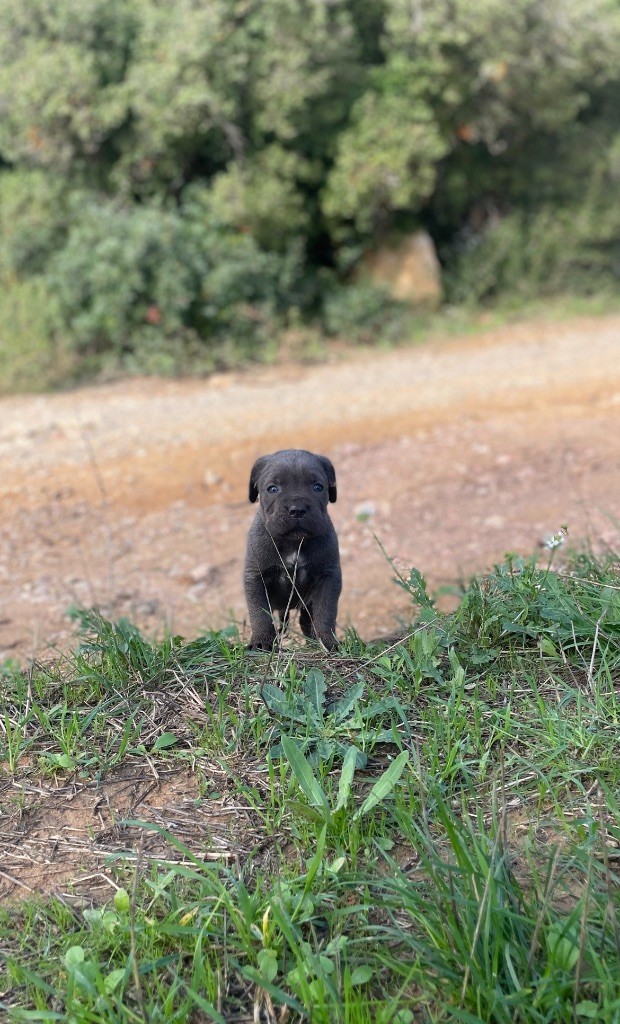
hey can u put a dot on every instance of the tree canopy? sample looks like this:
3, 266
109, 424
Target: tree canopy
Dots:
184, 174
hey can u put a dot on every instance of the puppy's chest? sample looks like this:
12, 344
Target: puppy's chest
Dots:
294, 569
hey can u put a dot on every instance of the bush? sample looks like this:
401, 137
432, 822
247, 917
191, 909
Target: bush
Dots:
545, 253
156, 290
361, 312
187, 176
30, 360
33, 216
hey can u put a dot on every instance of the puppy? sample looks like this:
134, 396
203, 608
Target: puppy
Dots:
292, 558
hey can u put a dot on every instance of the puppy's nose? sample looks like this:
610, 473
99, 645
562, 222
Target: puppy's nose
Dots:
297, 511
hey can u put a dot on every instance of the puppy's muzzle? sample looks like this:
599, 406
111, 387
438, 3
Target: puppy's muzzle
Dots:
298, 510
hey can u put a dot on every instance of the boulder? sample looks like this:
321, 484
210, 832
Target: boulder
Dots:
408, 269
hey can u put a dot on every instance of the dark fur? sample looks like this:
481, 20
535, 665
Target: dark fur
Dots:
292, 556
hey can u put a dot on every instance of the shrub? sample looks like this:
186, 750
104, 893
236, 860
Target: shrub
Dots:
361, 312
30, 359
549, 252
33, 217
150, 288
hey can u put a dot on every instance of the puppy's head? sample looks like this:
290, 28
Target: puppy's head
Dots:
294, 487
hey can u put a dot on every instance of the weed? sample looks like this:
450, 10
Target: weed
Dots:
326, 729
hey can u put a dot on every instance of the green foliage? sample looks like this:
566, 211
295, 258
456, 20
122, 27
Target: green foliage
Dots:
361, 311
191, 178
147, 287
117, 651
470, 877
523, 605
33, 218
500, 949
319, 807
387, 160
213, 85
262, 196
327, 729
61, 80
30, 358
573, 249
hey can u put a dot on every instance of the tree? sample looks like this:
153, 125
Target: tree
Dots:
228, 162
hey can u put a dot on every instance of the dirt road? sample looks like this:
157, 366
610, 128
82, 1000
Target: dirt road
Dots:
133, 496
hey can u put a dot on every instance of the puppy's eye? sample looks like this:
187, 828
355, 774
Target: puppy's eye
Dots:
317, 487
272, 489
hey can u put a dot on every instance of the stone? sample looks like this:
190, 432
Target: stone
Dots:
211, 478
200, 573
408, 269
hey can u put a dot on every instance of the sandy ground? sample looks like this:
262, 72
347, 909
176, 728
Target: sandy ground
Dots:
133, 496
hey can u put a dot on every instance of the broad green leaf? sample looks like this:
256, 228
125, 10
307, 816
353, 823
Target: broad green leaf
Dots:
347, 702
562, 947
306, 811
346, 777
113, 979
337, 865
121, 900
309, 785
74, 956
167, 739
548, 647
267, 964
324, 750
315, 689
64, 761
383, 785
280, 704
361, 759
588, 1009
361, 975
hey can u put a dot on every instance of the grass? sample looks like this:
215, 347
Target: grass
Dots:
428, 831
30, 359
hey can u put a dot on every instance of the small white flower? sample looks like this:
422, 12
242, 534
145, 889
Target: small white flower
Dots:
555, 540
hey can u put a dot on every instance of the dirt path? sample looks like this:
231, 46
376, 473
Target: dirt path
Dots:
133, 496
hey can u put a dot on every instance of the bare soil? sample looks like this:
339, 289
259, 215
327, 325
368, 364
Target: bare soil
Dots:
133, 496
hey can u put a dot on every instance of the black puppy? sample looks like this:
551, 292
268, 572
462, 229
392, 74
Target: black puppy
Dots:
292, 557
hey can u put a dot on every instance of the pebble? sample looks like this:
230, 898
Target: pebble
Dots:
211, 478
200, 573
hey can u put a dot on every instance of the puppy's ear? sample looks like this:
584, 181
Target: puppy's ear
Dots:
257, 469
331, 477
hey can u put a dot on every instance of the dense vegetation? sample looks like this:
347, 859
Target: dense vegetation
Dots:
422, 832
179, 182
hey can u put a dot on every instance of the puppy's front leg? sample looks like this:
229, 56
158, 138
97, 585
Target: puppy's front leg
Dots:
263, 630
324, 605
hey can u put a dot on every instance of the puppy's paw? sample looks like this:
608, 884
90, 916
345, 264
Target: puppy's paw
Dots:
261, 643
328, 640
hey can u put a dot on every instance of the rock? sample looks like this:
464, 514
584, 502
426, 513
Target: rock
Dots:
494, 522
211, 478
409, 270
201, 573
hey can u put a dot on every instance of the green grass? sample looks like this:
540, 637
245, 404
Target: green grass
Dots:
30, 360
422, 832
